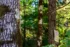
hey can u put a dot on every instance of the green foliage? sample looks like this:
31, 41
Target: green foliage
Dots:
29, 19
63, 26
68, 33
45, 3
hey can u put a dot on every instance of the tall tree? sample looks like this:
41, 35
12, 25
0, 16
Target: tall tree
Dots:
10, 24
51, 20
40, 31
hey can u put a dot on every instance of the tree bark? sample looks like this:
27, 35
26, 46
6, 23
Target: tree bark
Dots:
10, 36
51, 20
40, 29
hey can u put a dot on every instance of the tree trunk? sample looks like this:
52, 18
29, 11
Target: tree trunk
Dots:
40, 30
10, 23
51, 20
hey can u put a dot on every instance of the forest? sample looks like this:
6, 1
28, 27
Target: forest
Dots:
34, 23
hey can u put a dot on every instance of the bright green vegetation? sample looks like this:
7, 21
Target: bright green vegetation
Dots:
29, 20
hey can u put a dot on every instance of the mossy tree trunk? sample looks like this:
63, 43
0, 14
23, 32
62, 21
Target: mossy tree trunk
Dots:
40, 28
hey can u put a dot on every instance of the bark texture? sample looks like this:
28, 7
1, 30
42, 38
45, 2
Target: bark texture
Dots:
40, 29
51, 20
10, 35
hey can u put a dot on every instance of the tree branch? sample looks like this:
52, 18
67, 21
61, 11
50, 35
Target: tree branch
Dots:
62, 7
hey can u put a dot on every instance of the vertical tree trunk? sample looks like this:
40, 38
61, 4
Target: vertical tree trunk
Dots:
51, 20
10, 36
40, 31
